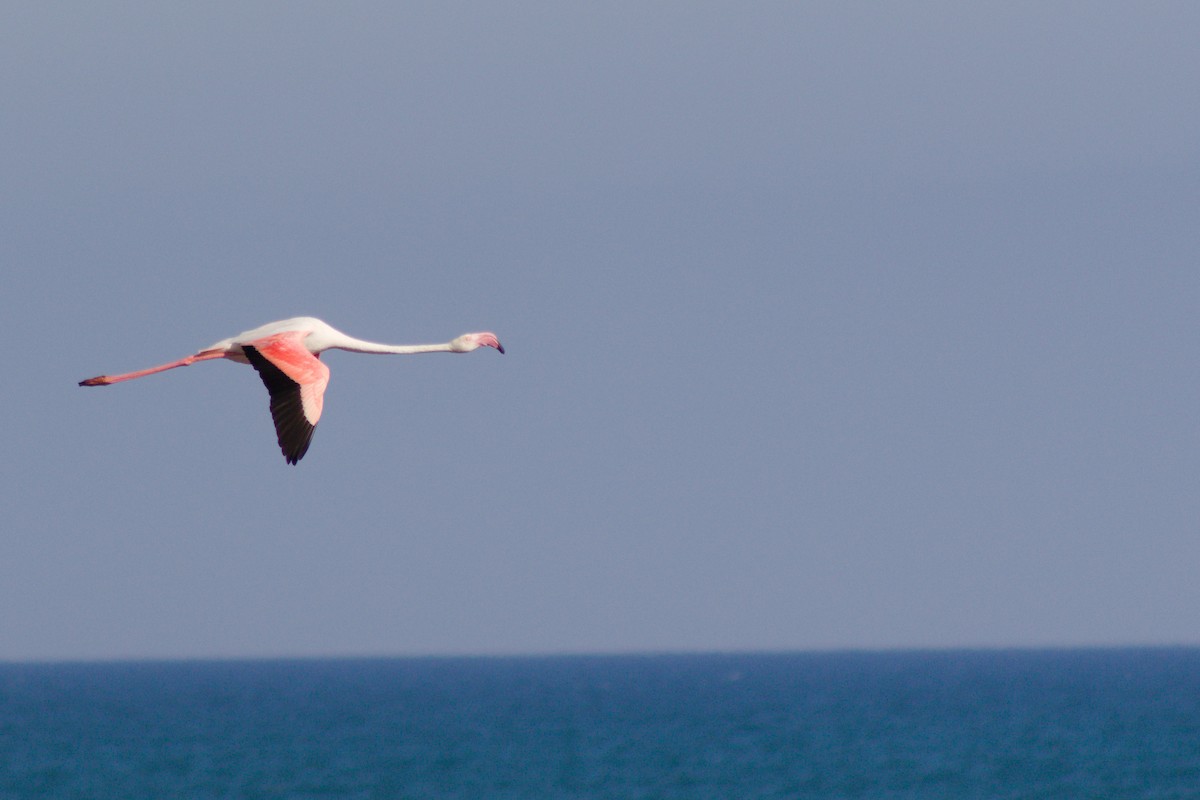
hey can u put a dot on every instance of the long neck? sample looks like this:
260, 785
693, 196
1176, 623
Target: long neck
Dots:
361, 346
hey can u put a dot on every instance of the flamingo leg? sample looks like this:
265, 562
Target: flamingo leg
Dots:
105, 380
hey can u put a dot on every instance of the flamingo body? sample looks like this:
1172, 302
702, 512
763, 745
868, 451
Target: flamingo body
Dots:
286, 355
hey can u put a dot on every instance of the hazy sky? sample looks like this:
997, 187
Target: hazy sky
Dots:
828, 325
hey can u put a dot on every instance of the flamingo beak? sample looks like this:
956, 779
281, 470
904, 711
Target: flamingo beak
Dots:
490, 340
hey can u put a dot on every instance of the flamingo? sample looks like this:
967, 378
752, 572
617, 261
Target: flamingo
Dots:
287, 355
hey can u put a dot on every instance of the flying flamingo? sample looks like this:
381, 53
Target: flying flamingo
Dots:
287, 356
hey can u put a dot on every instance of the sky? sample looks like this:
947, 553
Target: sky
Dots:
829, 325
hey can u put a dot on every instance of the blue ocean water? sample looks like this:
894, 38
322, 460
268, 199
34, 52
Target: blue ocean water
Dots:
971, 724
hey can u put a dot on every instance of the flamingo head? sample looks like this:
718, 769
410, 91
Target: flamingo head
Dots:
473, 341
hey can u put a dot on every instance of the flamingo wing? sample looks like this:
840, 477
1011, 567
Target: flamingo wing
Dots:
296, 380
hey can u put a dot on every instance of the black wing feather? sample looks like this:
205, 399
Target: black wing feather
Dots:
287, 409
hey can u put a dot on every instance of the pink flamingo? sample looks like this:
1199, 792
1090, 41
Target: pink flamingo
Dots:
287, 357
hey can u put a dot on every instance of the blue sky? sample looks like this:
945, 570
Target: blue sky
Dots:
828, 325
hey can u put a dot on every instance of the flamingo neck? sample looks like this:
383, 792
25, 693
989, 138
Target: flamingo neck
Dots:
360, 346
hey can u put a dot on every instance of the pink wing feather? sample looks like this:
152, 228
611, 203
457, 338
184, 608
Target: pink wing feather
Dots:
296, 380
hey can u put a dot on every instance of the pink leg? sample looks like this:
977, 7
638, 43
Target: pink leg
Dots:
105, 380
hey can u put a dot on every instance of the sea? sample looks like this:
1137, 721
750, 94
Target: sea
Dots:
1093, 723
